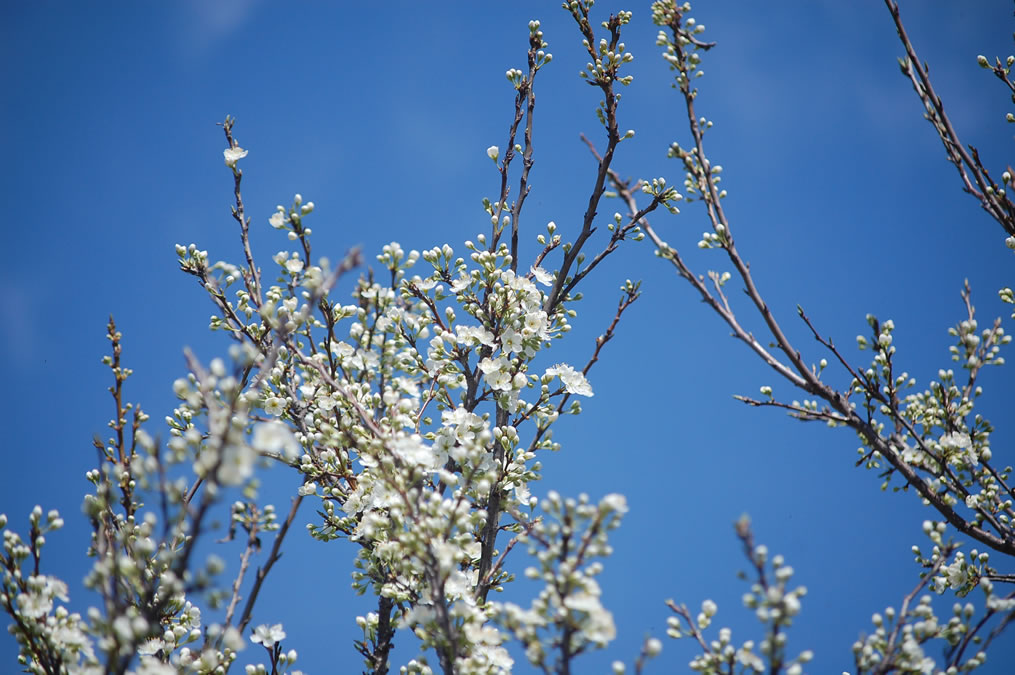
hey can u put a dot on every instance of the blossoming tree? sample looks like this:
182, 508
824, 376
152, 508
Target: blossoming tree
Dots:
415, 415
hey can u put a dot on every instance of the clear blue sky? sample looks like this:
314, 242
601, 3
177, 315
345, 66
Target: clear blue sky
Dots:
381, 114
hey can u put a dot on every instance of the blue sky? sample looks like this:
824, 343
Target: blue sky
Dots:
381, 114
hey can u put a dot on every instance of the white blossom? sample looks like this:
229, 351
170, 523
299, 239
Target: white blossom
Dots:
511, 341
268, 635
232, 155
535, 324
574, 381
962, 443
275, 437
274, 405
411, 449
616, 502
237, 464
542, 276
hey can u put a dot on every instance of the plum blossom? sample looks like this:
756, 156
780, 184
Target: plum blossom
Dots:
955, 575
535, 324
461, 283
598, 627
274, 405
962, 443
541, 275
616, 502
511, 341
475, 335
496, 373
35, 605
277, 220
237, 464
268, 635
412, 450
275, 437
232, 155
151, 647
574, 381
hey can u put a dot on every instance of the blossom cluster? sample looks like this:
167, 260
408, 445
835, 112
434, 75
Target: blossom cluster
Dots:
775, 605
414, 403
414, 414
934, 441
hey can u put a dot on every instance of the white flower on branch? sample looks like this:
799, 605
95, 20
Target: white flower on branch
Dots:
542, 276
233, 155
615, 502
598, 627
474, 336
275, 437
35, 605
268, 635
413, 451
496, 373
278, 219
294, 266
955, 441
274, 405
535, 324
573, 380
511, 341
237, 463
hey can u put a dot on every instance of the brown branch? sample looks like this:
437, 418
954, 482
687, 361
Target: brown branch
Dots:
985, 190
488, 579
253, 276
796, 411
631, 294
624, 191
262, 572
609, 108
253, 543
535, 44
799, 374
889, 665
